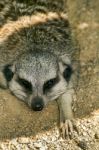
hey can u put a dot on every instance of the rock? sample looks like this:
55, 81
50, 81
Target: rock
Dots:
23, 140
97, 135
82, 145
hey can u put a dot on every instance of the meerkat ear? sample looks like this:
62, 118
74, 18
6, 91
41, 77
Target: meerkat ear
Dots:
66, 68
67, 72
6, 74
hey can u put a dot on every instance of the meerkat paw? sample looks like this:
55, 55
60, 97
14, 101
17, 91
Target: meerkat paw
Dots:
67, 129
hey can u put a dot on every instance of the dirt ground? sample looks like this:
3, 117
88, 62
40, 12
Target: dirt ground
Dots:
16, 119
84, 17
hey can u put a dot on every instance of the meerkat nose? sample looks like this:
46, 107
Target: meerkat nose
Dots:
37, 104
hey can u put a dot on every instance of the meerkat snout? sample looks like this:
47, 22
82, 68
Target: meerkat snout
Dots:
37, 104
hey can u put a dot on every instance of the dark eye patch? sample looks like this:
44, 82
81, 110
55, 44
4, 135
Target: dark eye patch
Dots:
26, 84
49, 84
67, 73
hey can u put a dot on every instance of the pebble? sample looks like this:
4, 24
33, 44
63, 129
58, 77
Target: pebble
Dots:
97, 135
38, 145
23, 140
88, 129
82, 145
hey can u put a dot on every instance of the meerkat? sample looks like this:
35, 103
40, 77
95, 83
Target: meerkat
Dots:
36, 55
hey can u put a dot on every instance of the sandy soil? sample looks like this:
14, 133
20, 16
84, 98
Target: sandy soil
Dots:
84, 18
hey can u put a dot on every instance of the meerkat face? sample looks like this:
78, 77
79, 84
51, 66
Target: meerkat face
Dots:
37, 78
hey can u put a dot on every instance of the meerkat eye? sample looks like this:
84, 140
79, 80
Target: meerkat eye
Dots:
67, 73
26, 84
50, 83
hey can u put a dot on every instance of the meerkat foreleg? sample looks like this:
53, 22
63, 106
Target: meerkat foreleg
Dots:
66, 114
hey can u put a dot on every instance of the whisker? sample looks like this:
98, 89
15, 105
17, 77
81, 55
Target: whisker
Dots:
20, 95
15, 91
29, 92
18, 90
56, 95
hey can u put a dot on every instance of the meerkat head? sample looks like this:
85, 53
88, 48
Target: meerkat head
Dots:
37, 77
